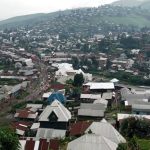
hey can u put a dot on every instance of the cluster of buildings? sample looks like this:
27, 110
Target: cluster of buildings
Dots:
52, 58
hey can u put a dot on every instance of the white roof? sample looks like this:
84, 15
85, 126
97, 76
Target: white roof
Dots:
35, 126
101, 101
90, 109
50, 133
114, 80
20, 132
46, 95
90, 96
142, 107
105, 129
92, 142
91, 113
124, 116
36, 145
22, 144
30, 116
61, 112
100, 85
37, 106
107, 95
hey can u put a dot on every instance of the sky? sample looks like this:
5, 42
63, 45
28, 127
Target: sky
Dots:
11, 8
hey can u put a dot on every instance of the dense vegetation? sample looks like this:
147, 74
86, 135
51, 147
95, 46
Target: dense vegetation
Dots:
8, 139
137, 133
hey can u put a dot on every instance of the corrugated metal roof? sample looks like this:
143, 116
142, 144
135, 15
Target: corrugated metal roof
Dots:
124, 116
90, 96
93, 110
50, 133
141, 107
42, 144
61, 112
107, 95
78, 128
92, 142
100, 85
105, 129
101, 101
90, 113
92, 106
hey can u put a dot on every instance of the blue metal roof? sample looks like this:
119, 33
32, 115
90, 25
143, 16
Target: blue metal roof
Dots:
57, 96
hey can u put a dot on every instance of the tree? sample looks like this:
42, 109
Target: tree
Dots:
132, 144
122, 146
132, 126
78, 80
8, 139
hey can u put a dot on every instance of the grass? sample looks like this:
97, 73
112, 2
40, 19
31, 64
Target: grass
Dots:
144, 144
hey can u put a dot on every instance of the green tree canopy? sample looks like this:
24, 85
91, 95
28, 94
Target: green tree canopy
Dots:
8, 139
78, 80
132, 126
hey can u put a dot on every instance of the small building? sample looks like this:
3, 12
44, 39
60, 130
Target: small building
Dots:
26, 115
55, 116
91, 110
21, 127
89, 97
143, 109
99, 87
78, 128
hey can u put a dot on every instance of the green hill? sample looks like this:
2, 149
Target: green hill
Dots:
85, 19
145, 4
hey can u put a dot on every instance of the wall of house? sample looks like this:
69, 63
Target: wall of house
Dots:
54, 125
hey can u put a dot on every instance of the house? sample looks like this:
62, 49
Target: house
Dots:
34, 107
54, 121
66, 72
103, 62
26, 115
92, 142
89, 97
57, 86
141, 109
99, 87
136, 100
91, 110
114, 80
46, 95
55, 116
78, 128
48, 133
21, 127
41, 144
105, 129
101, 101
107, 95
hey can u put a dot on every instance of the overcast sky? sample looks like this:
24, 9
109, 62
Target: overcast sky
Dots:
11, 8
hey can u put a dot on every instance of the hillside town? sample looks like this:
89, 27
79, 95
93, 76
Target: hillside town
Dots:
62, 90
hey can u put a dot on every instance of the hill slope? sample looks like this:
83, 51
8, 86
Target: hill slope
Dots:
133, 3
79, 20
